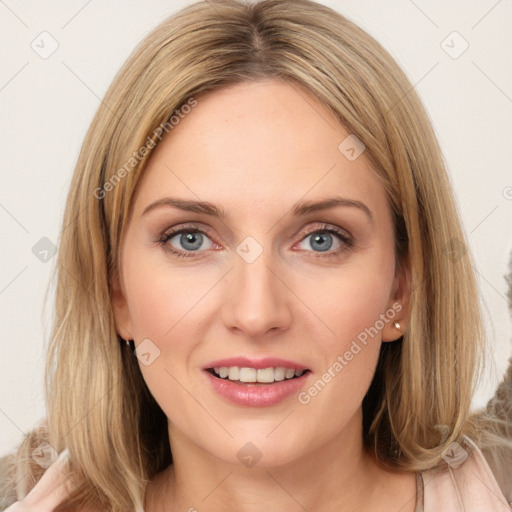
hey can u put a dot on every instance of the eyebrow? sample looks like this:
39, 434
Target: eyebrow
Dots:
301, 208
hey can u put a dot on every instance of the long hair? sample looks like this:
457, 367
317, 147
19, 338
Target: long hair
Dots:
98, 405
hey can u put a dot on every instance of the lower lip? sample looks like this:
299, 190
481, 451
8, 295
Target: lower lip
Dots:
257, 394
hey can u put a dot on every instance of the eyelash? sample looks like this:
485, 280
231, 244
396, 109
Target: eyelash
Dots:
325, 228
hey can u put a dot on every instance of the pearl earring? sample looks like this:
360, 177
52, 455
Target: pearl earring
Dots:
129, 343
397, 326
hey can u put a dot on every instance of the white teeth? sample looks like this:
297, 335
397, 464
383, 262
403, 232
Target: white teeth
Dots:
279, 373
263, 375
234, 373
247, 375
289, 373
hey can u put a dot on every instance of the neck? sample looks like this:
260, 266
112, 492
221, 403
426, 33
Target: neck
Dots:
337, 475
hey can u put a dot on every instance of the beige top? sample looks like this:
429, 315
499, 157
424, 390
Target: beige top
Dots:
464, 483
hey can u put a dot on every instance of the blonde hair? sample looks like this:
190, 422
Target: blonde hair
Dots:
97, 401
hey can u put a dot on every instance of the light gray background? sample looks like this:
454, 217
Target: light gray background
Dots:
47, 104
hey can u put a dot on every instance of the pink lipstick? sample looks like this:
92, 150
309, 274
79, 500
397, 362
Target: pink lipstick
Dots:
256, 382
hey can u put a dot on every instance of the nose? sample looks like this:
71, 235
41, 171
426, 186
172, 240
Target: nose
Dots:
257, 299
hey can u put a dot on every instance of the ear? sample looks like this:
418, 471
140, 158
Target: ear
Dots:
398, 306
121, 312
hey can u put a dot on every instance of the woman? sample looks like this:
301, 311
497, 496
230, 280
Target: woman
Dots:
260, 209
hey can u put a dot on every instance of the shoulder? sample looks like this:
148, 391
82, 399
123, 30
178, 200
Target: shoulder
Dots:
464, 482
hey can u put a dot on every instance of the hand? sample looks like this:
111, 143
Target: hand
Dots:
52, 488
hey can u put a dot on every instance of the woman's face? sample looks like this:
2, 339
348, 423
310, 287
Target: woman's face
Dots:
260, 284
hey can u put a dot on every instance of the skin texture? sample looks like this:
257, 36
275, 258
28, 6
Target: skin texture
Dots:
255, 149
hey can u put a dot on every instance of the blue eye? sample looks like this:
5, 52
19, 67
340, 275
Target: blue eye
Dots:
322, 239
192, 240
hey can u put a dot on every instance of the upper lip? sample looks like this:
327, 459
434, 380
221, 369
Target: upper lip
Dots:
246, 362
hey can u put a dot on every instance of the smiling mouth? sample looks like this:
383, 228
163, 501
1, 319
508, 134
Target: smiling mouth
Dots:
244, 375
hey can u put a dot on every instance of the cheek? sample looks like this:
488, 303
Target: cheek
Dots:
348, 302
164, 303
159, 296
166, 306
351, 307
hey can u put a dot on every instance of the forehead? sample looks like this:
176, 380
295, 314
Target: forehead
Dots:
259, 145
